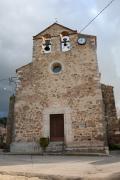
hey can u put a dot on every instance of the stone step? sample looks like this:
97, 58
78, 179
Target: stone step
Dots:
55, 147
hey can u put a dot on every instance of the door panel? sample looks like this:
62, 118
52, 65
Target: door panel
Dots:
56, 127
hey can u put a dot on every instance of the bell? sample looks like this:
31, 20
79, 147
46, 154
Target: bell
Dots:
65, 43
47, 48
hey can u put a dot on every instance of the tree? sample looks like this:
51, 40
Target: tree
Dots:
3, 121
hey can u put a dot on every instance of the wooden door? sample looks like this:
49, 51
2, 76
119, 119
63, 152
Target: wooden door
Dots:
56, 127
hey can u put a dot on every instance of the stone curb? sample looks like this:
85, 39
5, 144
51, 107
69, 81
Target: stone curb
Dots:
57, 154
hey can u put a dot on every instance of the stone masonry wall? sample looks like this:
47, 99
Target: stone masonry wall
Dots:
76, 92
112, 123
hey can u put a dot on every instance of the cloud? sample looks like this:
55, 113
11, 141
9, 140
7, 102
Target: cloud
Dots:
20, 20
109, 45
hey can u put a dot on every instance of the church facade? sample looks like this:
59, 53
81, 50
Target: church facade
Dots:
59, 95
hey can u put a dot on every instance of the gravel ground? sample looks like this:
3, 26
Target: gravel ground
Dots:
8, 177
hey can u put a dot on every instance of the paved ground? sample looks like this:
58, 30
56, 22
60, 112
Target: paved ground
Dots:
57, 167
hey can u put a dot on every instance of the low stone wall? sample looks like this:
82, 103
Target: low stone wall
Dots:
56, 147
25, 147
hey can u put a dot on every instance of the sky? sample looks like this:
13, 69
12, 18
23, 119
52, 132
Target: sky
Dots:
22, 19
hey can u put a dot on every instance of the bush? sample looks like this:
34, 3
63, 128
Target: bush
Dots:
44, 141
3, 121
3, 145
114, 146
6, 148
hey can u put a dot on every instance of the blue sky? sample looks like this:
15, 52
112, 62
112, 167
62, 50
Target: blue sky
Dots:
20, 20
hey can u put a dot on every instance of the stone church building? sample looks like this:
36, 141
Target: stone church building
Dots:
60, 96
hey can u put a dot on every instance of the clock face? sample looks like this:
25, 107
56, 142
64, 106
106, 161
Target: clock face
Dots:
82, 40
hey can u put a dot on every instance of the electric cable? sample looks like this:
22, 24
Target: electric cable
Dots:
96, 16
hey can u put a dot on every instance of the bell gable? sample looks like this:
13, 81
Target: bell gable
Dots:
54, 30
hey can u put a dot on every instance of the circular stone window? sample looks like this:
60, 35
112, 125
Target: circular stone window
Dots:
56, 67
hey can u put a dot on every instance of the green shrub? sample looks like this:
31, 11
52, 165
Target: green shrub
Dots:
114, 146
44, 141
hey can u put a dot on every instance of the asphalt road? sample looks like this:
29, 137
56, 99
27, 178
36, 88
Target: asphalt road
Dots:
27, 167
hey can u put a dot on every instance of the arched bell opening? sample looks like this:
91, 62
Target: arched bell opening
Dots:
65, 41
46, 43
